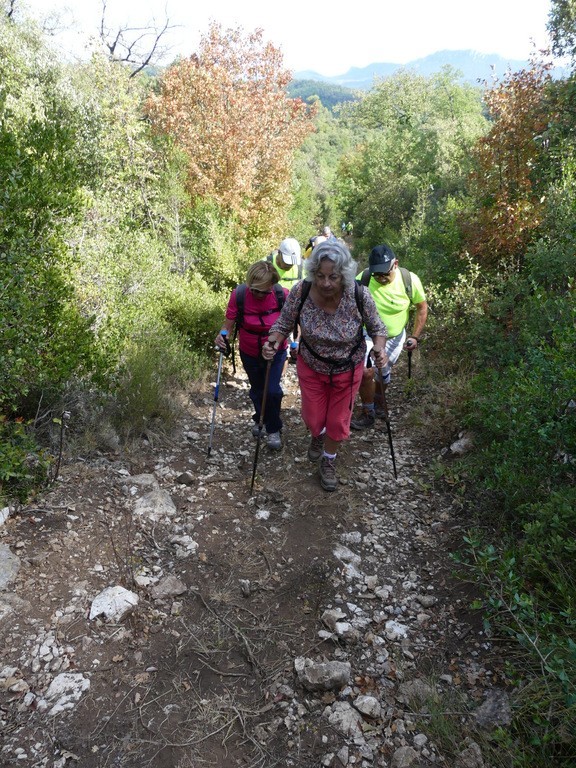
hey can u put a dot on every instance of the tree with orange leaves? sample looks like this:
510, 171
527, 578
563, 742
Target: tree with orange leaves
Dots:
506, 184
228, 109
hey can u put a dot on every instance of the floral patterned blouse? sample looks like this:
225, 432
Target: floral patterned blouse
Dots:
335, 337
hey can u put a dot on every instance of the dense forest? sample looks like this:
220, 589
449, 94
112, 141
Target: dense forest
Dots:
131, 204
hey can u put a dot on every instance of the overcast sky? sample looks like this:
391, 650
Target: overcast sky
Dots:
315, 35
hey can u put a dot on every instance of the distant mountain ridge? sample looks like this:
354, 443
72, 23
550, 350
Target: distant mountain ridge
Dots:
474, 67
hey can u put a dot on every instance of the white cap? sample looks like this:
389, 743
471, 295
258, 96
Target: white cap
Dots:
290, 250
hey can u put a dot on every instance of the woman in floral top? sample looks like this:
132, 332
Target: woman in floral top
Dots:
330, 309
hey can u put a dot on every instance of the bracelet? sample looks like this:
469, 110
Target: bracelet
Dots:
417, 338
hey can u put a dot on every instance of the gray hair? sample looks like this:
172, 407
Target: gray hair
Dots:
341, 257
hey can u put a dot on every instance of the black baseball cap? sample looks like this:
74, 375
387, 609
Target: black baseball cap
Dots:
381, 259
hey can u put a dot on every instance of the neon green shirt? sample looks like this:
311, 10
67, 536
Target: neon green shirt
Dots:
392, 302
288, 276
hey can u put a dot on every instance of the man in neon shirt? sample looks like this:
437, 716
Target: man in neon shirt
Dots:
288, 262
391, 296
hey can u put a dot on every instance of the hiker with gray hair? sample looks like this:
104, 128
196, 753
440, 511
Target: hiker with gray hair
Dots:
330, 310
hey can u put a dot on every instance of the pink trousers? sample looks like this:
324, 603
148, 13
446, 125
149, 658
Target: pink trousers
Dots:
328, 401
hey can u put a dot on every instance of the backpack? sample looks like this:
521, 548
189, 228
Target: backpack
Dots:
240, 299
270, 258
406, 279
306, 285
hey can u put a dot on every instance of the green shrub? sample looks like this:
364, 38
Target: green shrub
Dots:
155, 366
526, 429
23, 465
215, 253
530, 597
194, 312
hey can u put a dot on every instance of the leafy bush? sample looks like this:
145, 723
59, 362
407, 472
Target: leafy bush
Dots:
43, 338
531, 597
155, 366
526, 429
194, 312
23, 466
215, 253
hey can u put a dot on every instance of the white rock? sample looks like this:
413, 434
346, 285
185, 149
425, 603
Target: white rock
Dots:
169, 586
155, 505
346, 555
344, 718
9, 566
65, 690
368, 705
114, 603
395, 630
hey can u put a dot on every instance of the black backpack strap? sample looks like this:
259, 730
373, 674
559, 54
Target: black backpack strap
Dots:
407, 280
280, 297
365, 277
306, 285
359, 296
240, 297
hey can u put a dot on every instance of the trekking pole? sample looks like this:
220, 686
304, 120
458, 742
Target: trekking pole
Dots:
387, 420
409, 363
217, 387
260, 423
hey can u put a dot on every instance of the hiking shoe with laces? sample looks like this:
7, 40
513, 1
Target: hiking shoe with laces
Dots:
255, 430
274, 440
316, 448
328, 479
364, 421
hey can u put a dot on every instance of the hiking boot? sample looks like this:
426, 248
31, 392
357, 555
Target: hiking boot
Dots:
274, 440
255, 430
316, 448
364, 421
380, 412
328, 479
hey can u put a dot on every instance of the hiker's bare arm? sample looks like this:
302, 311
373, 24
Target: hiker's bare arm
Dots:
418, 327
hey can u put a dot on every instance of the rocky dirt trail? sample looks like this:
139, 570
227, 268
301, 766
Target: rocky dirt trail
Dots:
153, 613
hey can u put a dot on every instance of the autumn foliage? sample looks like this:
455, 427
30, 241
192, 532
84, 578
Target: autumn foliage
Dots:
228, 109
506, 182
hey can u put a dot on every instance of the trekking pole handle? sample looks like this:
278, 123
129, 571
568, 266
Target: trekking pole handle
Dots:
411, 342
224, 334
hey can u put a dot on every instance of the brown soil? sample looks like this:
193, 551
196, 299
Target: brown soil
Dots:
207, 678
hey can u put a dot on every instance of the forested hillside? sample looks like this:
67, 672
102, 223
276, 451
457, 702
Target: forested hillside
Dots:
130, 205
329, 95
